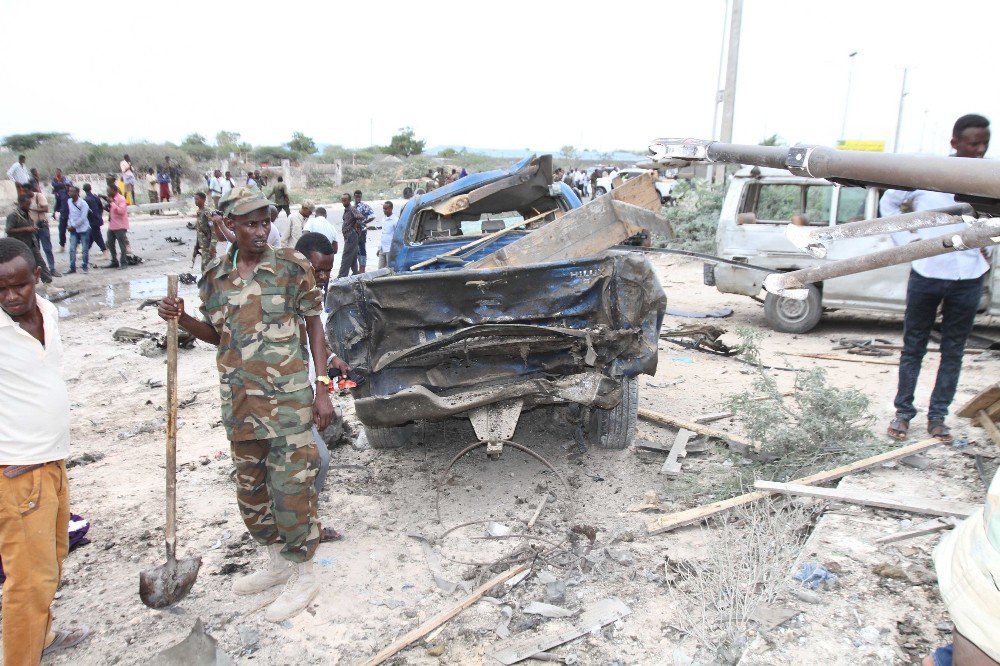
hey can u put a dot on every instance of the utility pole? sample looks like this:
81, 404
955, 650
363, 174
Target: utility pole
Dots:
718, 84
899, 116
729, 94
847, 97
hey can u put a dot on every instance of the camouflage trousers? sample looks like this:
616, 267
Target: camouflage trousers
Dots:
276, 493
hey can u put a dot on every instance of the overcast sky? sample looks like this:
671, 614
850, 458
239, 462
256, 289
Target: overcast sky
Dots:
514, 74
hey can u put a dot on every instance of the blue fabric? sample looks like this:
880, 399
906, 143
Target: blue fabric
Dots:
958, 300
813, 575
81, 238
942, 656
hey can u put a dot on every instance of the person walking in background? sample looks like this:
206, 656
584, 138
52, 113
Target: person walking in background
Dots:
296, 224
260, 178
353, 224
279, 195
60, 184
39, 214
20, 175
388, 228
227, 184
117, 227
152, 189
174, 171
79, 229
20, 226
163, 179
369, 215
952, 281
215, 187
128, 177
96, 219
34, 445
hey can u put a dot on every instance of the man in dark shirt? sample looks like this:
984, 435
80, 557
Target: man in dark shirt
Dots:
96, 218
22, 227
354, 223
60, 187
369, 216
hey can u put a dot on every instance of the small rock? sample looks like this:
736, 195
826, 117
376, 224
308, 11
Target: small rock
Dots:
805, 595
555, 592
436, 651
870, 635
889, 571
249, 637
621, 557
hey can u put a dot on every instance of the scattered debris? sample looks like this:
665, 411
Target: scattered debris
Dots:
721, 313
538, 511
187, 278
650, 502
771, 617
546, 610
740, 444
701, 337
927, 527
175, 240
835, 357
870, 347
813, 575
128, 334
496, 530
697, 514
445, 615
600, 614
984, 410
83, 459
671, 467
717, 416
868, 498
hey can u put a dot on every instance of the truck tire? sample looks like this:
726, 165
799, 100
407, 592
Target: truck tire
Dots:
615, 428
600, 192
790, 316
389, 438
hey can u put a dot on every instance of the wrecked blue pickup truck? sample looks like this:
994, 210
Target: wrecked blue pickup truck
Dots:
434, 340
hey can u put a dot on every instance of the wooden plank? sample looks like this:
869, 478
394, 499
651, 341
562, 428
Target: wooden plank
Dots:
641, 194
837, 357
709, 418
673, 422
927, 527
930, 507
584, 231
445, 615
983, 400
699, 513
671, 466
986, 423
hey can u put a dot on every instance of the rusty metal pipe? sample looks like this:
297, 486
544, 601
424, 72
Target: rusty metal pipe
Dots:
791, 285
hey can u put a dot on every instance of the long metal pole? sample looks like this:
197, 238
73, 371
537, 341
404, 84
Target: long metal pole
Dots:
899, 116
732, 65
847, 97
718, 82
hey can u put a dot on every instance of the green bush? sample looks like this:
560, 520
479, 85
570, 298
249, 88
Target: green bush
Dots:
695, 218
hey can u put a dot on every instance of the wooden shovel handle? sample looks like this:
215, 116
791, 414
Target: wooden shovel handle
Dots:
171, 528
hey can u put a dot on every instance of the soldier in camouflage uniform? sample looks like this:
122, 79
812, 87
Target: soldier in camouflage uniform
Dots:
253, 300
205, 245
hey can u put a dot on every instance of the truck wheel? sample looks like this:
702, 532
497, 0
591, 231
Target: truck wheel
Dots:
389, 438
790, 316
615, 428
600, 192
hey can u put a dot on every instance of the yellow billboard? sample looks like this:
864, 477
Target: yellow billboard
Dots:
857, 144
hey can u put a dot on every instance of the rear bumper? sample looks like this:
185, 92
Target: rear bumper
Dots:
418, 403
733, 279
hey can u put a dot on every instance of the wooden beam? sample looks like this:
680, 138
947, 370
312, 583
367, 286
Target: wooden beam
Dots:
445, 615
699, 513
709, 418
584, 231
983, 400
986, 423
673, 422
927, 527
837, 357
671, 466
930, 507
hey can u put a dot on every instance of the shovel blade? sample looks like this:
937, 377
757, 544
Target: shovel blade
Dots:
167, 584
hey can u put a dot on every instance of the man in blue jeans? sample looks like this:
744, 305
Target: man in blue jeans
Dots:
78, 223
952, 281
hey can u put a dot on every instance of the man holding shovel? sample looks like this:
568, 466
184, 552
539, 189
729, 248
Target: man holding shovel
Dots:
34, 444
252, 300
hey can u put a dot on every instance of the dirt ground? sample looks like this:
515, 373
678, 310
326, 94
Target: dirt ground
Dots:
377, 583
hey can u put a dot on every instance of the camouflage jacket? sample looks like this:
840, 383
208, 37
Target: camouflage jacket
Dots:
263, 369
206, 237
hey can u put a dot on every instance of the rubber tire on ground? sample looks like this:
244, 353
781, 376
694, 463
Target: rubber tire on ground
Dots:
600, 191
615, 428
791, 316
394, 437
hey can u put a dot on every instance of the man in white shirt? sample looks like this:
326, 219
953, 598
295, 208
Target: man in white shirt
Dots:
953, 281
34, 444
215, 187
19, 174
385, 240
319, 224
296, 224
227, 184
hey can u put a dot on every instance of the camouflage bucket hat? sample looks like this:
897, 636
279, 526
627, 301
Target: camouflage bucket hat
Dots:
243, 200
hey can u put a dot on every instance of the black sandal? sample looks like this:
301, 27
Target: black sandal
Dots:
939, 431
898, 428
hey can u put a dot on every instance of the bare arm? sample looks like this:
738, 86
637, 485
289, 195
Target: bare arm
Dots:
322, 407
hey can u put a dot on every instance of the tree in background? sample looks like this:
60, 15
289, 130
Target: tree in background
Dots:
404, 144
197, 147
228, 142
302, 144
773, 140
568, 152
273, 154
19, 143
